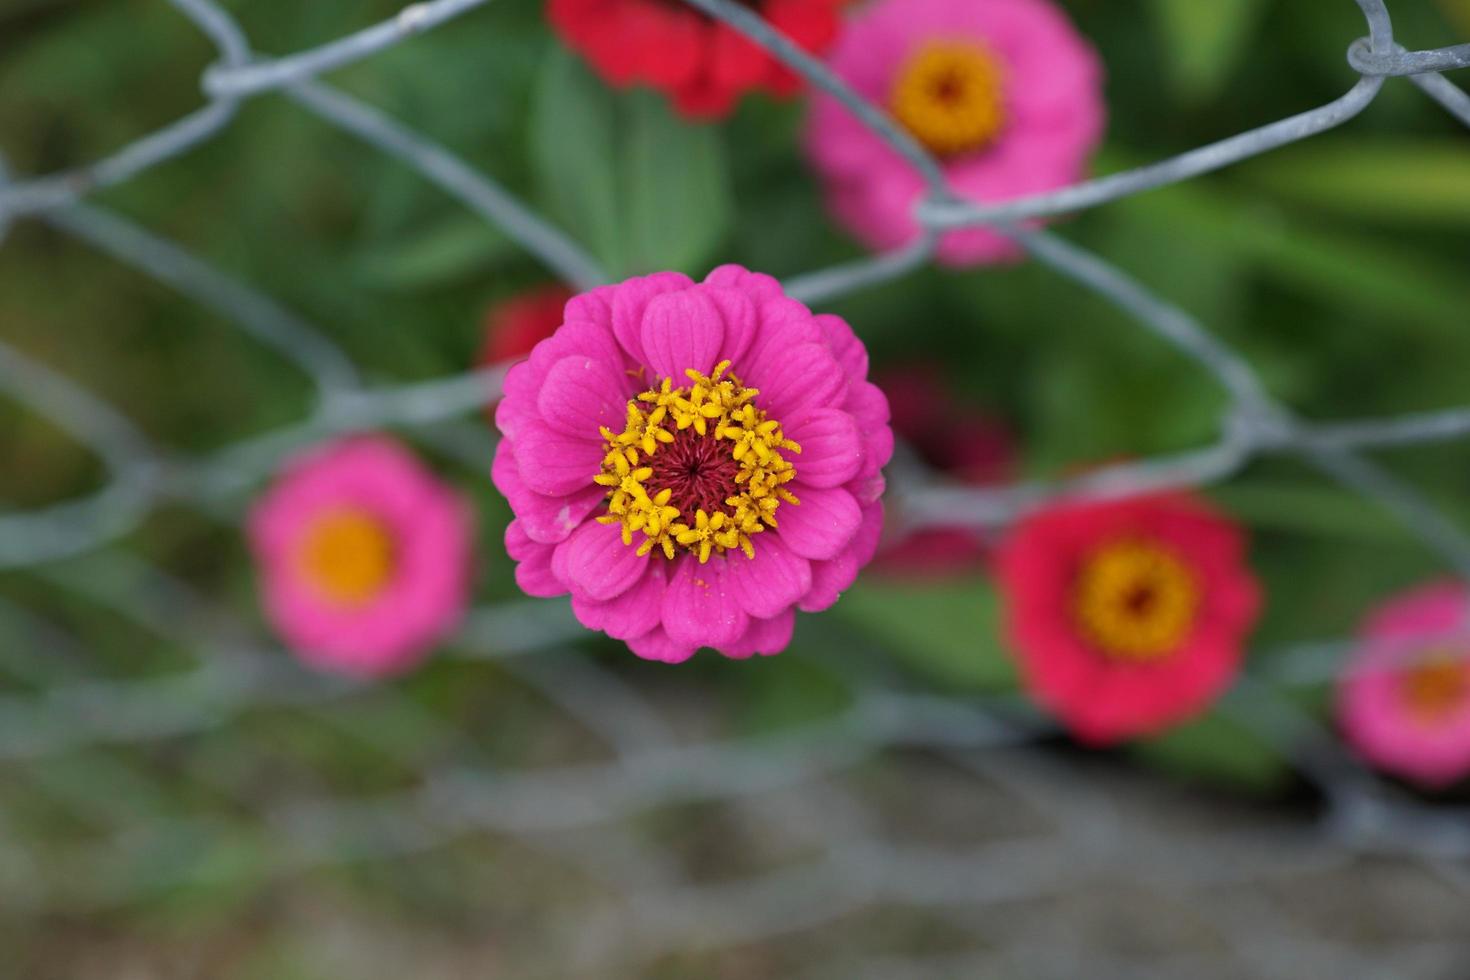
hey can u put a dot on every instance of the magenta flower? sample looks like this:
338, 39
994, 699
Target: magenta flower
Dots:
693, 463
1128, 617
363, 556
1004, 92
1404, 699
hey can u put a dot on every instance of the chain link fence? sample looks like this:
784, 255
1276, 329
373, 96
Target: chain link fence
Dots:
132, 773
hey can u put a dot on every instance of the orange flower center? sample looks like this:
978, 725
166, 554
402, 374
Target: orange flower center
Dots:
1436, 687
346, 556
1135, 601
949, 95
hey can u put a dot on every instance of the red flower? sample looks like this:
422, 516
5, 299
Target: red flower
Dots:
701, 64
957, 442
516, 325
1127, 617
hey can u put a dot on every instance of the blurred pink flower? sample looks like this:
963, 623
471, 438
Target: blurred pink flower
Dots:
668, 497
959, 443
1404, 699
1129, 616
363, 556
1005, 92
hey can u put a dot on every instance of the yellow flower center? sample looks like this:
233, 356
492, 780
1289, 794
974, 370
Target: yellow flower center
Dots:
346, 556
1135, 600
1436, 687
949, 95
698, 468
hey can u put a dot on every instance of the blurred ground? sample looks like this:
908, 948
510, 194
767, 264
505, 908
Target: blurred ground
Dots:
954, 862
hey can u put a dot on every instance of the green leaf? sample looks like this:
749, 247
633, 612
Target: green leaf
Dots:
643, 190
1313, 508
678, 201
1339, 268
948, 630
793, 692
1203, 41
1457, 11
1216, 749
1424, 181
453, 249
573, 146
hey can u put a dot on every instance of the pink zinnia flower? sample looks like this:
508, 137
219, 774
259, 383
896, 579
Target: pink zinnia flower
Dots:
1404, 700
1130, 616
1004, 92
693, 462
363, 556
957, 442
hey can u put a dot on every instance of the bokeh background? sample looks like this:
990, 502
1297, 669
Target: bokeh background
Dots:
880, 801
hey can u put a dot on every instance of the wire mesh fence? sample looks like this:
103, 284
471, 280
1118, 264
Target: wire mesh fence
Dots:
101, 752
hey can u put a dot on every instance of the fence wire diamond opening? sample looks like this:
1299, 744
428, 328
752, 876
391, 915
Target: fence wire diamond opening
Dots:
84, 741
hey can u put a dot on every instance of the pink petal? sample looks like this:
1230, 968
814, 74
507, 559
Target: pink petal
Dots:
869, 407
831, 578
796, 379
754, 284
518, 402
548, 519
580, 395
740, 318
578, 338
832, 448
631, 614
822, 524
656, 645
868, 489
867, 403
771, 581
552, 462
879, 208
880, 451
845, 346
784, 324
700, 607
595, 563
681, 331
533, 568
631, 298
594, 306
764, 636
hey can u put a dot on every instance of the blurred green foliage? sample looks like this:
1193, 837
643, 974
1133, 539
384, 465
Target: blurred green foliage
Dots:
1337, 266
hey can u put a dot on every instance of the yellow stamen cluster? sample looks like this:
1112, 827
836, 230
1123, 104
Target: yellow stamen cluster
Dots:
1135, 600
347, 556
949, 96
1436, 687
714, 406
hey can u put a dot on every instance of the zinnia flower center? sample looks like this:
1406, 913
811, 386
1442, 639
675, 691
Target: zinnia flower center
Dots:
1435, 688
949, 96
698, 467
1136, 601
347, 556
